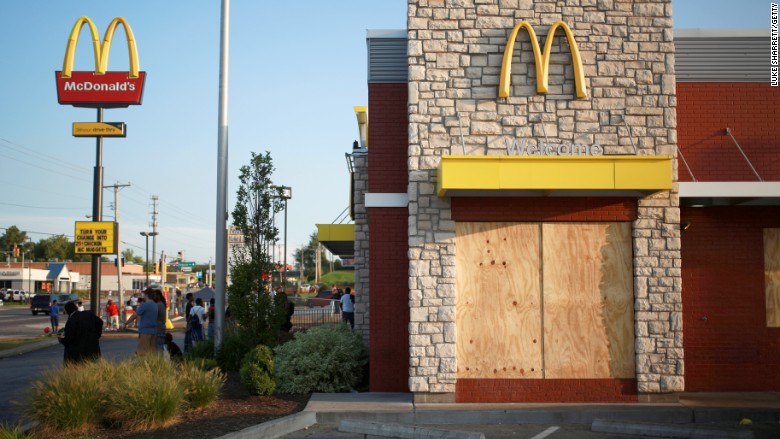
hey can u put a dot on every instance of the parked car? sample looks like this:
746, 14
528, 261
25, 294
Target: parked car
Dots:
15, 295
42, 302
323, 298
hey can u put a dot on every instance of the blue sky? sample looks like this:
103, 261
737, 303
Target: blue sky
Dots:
296, 71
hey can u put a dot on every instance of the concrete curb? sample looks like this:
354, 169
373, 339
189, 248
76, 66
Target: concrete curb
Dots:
404, 431
31, 347
583, 415
668, 430
276, 428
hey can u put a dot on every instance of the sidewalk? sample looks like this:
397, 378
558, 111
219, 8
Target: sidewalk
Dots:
695, 415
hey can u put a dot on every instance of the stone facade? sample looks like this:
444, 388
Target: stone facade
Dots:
455, 51
362, 303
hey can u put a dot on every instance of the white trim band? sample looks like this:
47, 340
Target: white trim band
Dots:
387, 200
733, 189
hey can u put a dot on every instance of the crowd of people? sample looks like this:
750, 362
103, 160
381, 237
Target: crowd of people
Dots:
149, 314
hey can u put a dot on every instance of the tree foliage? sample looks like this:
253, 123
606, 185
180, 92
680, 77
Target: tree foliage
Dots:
54, 247
131, 257
257, 201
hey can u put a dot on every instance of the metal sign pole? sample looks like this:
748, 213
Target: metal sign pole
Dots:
97, 215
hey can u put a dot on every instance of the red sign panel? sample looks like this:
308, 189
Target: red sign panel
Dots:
111, 89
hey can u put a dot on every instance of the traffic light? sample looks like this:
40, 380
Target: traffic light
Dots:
16, 251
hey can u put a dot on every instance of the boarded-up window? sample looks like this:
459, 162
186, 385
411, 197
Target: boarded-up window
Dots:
772, 276
550, 300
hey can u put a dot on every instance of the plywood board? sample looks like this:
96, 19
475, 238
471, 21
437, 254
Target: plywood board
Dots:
772, 276
498, 300
588, 300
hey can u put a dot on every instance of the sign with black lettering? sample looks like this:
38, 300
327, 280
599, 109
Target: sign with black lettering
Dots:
95, 237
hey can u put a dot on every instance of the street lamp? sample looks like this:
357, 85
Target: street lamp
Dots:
147, 235
286, 195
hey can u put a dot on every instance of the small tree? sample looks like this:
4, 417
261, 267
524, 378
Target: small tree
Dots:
257, 200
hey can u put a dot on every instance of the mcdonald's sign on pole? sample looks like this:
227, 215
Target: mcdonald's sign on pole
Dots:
542, 59
101, 88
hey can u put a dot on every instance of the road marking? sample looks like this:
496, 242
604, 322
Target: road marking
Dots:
546, 433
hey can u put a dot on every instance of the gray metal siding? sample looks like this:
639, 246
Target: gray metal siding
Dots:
711, 55
387, 61
722, 59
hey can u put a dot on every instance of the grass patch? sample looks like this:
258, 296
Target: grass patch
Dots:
340, 278
138, 394
8, 431
10, 343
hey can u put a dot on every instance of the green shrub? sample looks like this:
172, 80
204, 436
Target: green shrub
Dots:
201, 349
257, 371
328, 358
200, 387
234, 347
144, 395
13, 432
70, 399
204, 363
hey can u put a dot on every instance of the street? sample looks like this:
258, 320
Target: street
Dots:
17, 321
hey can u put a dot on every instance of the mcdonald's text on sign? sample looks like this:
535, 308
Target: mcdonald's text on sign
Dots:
101, 88
95, 237
99, 129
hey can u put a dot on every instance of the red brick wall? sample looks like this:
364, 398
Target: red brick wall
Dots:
751, 110
728, 346
389, 314
543, 209
388, 142
539, 390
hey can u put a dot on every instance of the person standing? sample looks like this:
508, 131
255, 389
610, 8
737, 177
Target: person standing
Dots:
348, 308
54, 316
196, 320
112, 312
188, 328
212, 319
162, 317
335, 305
146, 315
82, 334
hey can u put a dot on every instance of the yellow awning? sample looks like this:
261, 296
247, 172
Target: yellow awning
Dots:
339, 239
605, 176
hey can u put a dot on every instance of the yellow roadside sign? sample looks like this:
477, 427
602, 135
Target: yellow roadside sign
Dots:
95, 237
99, 129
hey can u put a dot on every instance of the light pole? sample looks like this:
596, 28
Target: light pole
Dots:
147, 235
286, 195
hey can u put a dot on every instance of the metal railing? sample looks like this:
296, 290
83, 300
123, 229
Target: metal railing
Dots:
308, 317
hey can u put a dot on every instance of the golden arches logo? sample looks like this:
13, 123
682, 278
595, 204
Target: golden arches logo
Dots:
542, 60
101, 51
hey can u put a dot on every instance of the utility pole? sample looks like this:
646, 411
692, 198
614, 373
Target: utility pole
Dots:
155, 204
119, 264
318, 262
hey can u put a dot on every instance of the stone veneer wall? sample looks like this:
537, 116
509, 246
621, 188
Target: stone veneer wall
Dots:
360, 178
455, 49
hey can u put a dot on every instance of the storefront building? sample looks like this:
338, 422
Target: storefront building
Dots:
33, 277
526, 228
65, 277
